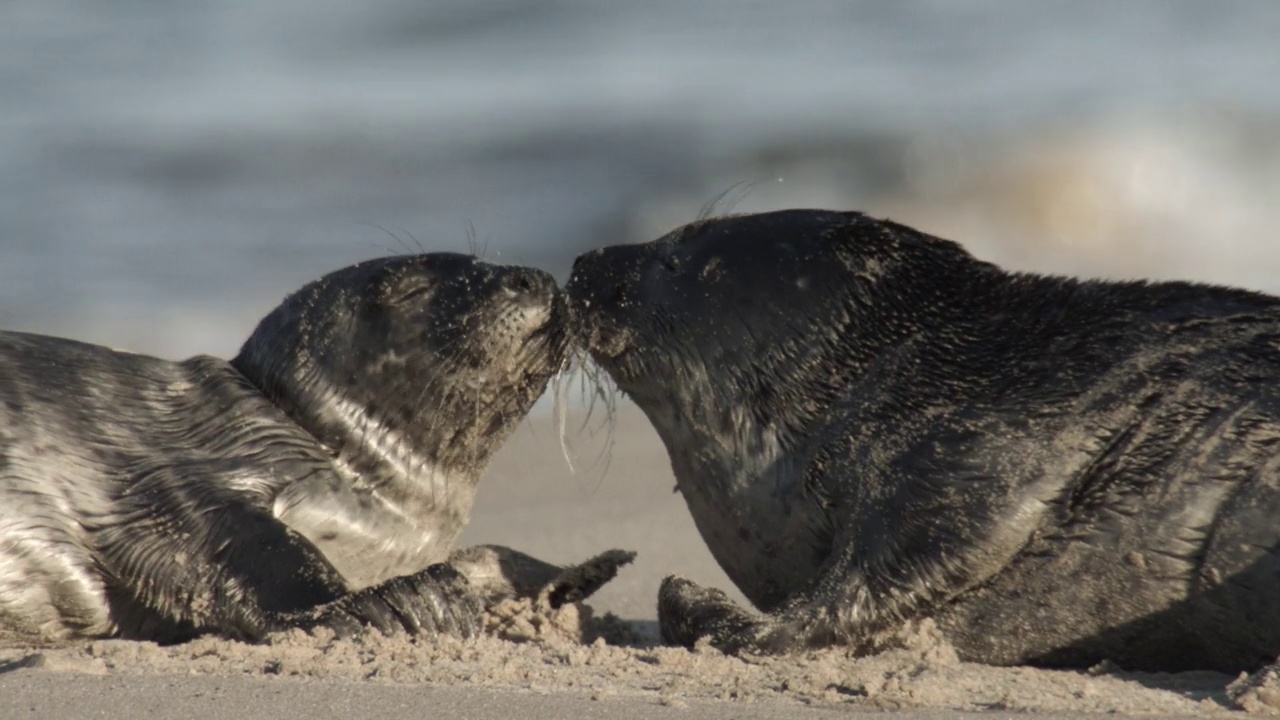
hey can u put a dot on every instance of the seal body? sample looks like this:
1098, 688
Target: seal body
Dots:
872, 427
319, 478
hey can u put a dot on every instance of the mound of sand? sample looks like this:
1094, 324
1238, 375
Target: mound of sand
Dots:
547, 656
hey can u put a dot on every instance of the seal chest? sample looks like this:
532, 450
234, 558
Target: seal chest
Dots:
1058, 471
746, 499
321, 477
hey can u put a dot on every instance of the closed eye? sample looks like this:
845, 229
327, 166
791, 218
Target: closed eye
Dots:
411, 294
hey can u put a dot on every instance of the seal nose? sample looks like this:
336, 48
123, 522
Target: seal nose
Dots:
528, 282
580, 278
582, 263
596, 277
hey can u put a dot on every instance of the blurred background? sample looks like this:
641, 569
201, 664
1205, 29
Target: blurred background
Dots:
169, 171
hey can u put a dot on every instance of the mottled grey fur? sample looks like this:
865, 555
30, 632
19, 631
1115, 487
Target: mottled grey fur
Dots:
319, 478
871, 426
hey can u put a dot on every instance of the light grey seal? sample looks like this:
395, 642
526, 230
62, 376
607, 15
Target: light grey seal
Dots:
871, 427
319, 478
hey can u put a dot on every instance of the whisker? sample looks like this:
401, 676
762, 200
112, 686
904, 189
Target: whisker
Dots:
727, 199
403, 245
596, 385
478, 250
416, 241
472, 243
560, 412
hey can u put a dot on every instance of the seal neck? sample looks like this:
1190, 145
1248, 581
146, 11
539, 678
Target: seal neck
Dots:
401, 461
880, 326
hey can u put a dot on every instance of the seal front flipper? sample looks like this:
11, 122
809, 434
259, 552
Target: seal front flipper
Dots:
578, 582
498, 572
688, 612
436, 600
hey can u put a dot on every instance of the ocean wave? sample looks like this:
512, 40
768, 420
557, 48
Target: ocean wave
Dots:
1124, 196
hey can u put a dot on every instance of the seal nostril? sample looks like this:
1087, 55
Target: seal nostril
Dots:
519, 282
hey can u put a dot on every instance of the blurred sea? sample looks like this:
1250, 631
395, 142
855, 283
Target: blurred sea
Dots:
169, 171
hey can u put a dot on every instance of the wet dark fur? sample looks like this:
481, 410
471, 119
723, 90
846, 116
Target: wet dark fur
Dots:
319, 478
871, 426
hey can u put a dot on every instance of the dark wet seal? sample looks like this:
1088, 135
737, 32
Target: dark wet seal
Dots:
870, 426
320, 478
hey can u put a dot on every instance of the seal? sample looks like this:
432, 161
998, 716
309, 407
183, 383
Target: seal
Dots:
320, 478
871, 427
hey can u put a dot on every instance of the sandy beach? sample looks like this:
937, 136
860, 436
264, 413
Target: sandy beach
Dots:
619, 495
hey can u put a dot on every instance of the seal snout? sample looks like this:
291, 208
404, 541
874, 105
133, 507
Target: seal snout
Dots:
529, 284
535, 295
535, 314
601, 288
584, 277
604, 277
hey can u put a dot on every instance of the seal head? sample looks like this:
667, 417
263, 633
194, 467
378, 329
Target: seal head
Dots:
736, 336
411, 371
449, 348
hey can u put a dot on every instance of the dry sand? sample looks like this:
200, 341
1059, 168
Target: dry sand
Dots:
533, 502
